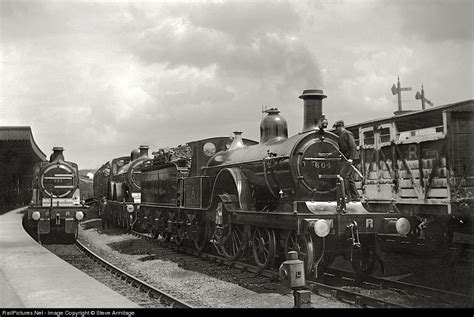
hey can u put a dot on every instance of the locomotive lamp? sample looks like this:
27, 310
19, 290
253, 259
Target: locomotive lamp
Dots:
35, 215
323, 122
130, 208
403, 226
291, 271
321, 228
79, 215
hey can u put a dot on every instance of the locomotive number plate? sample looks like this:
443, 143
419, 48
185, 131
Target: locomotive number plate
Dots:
325, 165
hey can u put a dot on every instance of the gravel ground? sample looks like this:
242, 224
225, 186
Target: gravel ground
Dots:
189, 278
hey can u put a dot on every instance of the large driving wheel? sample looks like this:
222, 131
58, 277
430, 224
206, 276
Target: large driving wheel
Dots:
230, 238
235, 242
303, 244
263, 247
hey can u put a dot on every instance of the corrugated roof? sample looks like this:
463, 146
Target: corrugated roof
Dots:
21, 133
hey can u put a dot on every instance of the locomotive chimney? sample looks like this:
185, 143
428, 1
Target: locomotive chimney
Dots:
57, 154
313, 108
144, 150
237, 143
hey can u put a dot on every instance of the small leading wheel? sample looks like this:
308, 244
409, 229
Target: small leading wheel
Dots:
264, 247
303, 244
364, 260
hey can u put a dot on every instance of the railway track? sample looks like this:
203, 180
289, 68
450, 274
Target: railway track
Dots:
345, 286
124, 283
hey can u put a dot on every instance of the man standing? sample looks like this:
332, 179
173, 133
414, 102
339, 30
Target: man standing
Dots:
348, 148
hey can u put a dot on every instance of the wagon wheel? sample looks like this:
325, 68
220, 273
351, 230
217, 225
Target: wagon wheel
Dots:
264, 247
363, 260
303, 244
235, 242
203, 236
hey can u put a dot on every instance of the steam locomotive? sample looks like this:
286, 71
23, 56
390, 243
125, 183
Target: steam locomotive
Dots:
260, 200
55, 208
117, 189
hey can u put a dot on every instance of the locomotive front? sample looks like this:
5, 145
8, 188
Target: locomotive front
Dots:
56, 202
123, 204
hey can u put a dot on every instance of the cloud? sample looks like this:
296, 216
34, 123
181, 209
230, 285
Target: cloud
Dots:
256, 40
105, 77
437, 20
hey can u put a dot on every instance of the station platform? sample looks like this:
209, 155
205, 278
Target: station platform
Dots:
32, 277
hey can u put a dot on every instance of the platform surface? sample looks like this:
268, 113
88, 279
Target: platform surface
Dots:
32, 277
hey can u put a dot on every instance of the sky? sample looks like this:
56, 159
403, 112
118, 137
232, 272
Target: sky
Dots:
101, 78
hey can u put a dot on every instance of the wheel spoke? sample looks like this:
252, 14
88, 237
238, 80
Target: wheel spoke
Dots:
264, 247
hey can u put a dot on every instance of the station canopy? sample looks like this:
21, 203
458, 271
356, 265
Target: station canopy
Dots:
18, 154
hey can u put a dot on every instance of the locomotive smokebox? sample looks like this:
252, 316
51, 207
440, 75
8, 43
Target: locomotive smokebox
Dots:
313, 108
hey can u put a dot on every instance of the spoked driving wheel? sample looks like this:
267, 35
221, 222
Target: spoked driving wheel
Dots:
235, 242
303, 244
230, 238
263, 247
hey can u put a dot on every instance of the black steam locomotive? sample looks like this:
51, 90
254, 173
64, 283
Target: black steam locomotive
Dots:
117, 189
262, 200
55, 209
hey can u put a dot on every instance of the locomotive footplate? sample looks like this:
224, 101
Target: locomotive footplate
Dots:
306, 214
